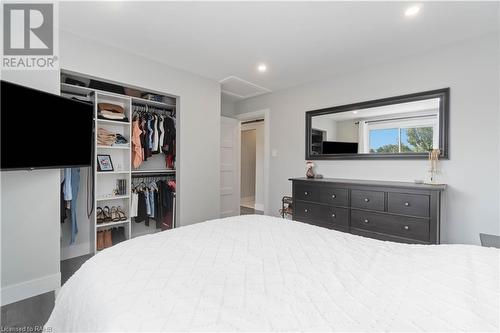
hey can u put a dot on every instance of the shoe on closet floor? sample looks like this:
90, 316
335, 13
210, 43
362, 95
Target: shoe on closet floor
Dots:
118, 235
121, 214
100, 215
100, 240
107, 214
108, 241
115, 216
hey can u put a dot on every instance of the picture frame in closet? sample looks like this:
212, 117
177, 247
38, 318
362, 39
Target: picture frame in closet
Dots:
104, 163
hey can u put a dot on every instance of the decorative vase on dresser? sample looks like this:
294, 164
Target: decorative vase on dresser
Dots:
386, 210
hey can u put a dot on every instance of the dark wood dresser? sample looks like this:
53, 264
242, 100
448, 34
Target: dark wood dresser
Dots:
395, 211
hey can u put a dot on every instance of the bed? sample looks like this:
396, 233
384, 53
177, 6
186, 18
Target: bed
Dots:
260, 273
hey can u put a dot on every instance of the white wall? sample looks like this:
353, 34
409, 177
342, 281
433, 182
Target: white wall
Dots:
470, 69
30, 225
228, 106
198, 118
325, 124
347, 131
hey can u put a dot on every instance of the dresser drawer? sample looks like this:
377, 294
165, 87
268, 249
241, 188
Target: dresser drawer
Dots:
373, 200
408, 204
402, 226
334, 196
306, 192
325, 215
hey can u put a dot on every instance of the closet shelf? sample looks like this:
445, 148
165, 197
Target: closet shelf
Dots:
152, 171
113, 147
115, 197
112, 172
138, 100
110, 224
113, 122
70, 88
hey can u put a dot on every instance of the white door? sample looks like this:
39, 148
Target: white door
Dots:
229, 167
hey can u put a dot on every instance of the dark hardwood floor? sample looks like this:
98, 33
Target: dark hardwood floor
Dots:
249, 211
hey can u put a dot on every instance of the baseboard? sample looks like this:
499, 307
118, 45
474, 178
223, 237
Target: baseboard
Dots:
73, 251
27, 289
259, 206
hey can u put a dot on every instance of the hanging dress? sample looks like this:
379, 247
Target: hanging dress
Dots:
137, 151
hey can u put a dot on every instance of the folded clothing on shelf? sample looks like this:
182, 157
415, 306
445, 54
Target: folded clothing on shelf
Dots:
107, 138
120, 139
111, 111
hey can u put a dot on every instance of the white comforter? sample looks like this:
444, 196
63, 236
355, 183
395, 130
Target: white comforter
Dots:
258, 273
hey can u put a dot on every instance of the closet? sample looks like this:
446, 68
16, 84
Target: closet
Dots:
131, 189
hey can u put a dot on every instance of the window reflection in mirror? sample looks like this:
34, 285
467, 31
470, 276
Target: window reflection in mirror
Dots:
411, 127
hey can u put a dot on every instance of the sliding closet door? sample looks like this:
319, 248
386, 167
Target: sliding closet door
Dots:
229, 167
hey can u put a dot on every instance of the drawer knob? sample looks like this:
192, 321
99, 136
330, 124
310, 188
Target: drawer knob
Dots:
407, 204
367, 200
407, 227
333, 196
366, 221
306, 193
306, 210
333, 215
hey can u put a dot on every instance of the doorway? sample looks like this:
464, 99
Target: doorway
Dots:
230, 169
252, 167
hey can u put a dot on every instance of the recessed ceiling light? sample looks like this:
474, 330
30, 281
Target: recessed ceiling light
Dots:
262, 68
412, 11
355, 112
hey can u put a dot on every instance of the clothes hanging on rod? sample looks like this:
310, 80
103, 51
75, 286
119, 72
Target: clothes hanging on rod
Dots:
71, 186
153, 132
155, 200
137, 151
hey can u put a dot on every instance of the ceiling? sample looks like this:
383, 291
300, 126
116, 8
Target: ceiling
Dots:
299, 41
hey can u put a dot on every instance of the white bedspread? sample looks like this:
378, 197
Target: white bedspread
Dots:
258, 273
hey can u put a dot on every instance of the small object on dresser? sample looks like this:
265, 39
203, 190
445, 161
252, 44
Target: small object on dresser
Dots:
310, 169
418, 181
434, 167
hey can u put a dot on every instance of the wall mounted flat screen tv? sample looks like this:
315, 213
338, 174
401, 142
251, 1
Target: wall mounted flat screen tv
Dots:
41, 130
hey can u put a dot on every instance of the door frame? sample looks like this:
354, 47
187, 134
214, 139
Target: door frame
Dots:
255, 115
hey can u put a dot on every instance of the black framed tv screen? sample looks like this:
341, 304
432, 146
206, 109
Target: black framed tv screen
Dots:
42, 130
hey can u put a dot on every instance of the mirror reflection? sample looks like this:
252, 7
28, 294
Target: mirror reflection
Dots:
403, 128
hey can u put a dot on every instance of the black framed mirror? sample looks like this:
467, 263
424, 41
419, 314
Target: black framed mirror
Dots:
400, 127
